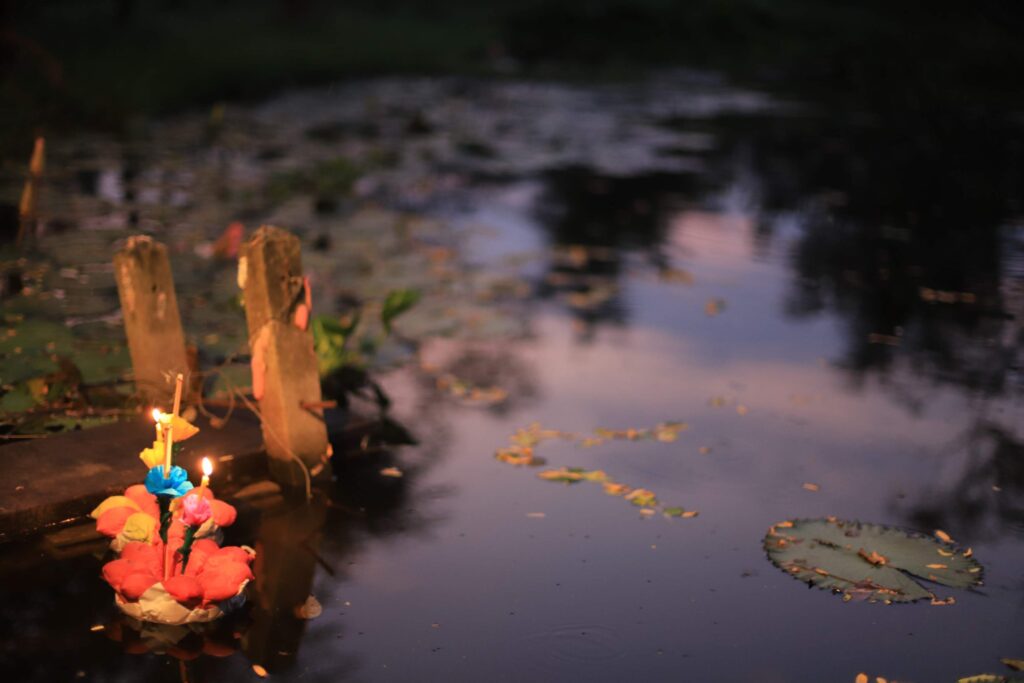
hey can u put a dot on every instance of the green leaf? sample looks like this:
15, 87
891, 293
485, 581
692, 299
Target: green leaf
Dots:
398, 301
329, 337
17, 400
868, 561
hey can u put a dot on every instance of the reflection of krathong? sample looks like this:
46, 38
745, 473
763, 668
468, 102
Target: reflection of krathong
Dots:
171, 568
181, 641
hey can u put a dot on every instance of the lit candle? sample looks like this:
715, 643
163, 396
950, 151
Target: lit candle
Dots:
207, 471
158, 418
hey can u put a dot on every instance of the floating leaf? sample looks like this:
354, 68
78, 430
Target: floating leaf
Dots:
310, 609
678, 512
642, 498
573, 475
1015, 664
991, 678
846, 557
714, 306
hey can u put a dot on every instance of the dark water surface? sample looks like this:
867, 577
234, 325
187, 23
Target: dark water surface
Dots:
824, 298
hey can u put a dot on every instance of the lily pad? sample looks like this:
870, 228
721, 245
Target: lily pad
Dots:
868, 561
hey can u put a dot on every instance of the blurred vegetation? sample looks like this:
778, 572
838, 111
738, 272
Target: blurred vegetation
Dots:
99, 62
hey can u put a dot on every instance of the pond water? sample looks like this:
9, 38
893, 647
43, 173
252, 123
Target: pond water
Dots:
828, 300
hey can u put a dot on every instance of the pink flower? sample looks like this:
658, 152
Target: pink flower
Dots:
195, 510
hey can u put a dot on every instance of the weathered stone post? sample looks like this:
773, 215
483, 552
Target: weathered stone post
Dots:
27, 207
286, 380
151, 322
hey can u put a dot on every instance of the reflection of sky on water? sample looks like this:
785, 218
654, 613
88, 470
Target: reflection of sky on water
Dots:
591, 590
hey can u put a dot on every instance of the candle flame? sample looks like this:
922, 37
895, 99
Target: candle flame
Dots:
207, 467
156, 414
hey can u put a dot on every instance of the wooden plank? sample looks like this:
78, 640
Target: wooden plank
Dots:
54, 480
285, 376
151, 321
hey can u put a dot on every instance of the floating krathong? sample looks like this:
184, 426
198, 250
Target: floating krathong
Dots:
171, 568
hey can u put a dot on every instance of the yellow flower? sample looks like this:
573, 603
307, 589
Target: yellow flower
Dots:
153, 456
111, 503
139, 527
183, 429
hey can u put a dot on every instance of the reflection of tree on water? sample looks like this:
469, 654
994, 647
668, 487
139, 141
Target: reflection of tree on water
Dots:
904, 222
592, 220
988, 495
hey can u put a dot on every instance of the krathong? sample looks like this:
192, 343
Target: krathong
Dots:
171, 568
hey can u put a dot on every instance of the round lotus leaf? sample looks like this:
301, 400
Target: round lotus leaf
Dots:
868, 561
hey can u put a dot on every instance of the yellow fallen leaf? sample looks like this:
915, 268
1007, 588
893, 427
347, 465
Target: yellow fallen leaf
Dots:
742, 409
689, 513
391, 472
811, 487
704, 450
944, 553
861, 678
536, 515
943, 536
259, 670
1015, 664
97, 627
310, 609
936, 566
873, 557
968, 552
613, 489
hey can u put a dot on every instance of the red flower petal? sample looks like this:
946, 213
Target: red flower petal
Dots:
235, 553
223, 514
112, 521
137, 583
222, 582
144, 499
144, 554
184, 589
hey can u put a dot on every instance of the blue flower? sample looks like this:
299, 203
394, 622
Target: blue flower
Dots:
173, 486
